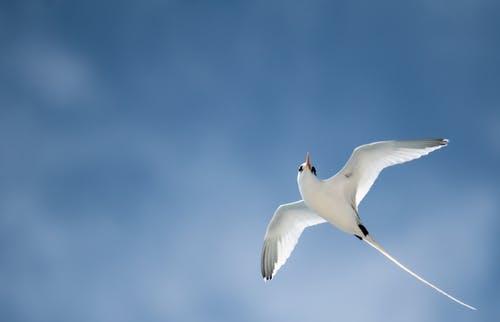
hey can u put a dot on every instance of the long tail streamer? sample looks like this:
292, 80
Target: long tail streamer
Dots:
379, 248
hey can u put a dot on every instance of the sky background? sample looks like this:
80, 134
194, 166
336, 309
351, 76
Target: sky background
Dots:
145, 146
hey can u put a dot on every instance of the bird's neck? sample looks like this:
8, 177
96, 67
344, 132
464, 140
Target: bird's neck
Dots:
308, 184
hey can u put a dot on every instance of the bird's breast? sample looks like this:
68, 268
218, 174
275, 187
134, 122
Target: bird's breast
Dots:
329, 204
318, 199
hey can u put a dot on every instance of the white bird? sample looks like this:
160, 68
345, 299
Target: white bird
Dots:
336, 200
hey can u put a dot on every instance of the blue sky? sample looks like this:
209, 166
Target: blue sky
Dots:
146, 145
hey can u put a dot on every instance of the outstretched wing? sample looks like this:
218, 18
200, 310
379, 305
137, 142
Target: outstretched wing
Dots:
368, 160
283, 233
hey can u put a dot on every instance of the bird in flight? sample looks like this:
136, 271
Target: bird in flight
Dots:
336, 200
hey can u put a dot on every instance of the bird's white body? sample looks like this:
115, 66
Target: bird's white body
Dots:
336, 200
328, 200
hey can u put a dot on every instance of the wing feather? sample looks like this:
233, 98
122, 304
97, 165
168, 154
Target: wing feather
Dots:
283, 233
367, 161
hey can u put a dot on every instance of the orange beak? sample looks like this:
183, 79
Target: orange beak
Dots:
308, 164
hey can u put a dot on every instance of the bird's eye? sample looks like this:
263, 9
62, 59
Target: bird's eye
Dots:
301, 168
313, 170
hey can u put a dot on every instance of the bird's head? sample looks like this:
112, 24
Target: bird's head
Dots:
306, 167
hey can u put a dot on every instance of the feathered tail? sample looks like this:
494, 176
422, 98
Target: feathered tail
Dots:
375, 245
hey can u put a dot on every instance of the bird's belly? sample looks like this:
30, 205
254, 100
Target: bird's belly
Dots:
335, 210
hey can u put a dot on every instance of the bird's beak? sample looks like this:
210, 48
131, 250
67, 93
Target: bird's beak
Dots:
308, 164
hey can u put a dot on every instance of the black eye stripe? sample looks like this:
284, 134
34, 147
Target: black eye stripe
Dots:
313, 169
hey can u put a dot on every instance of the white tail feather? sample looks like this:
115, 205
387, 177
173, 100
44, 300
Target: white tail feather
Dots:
375, 245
